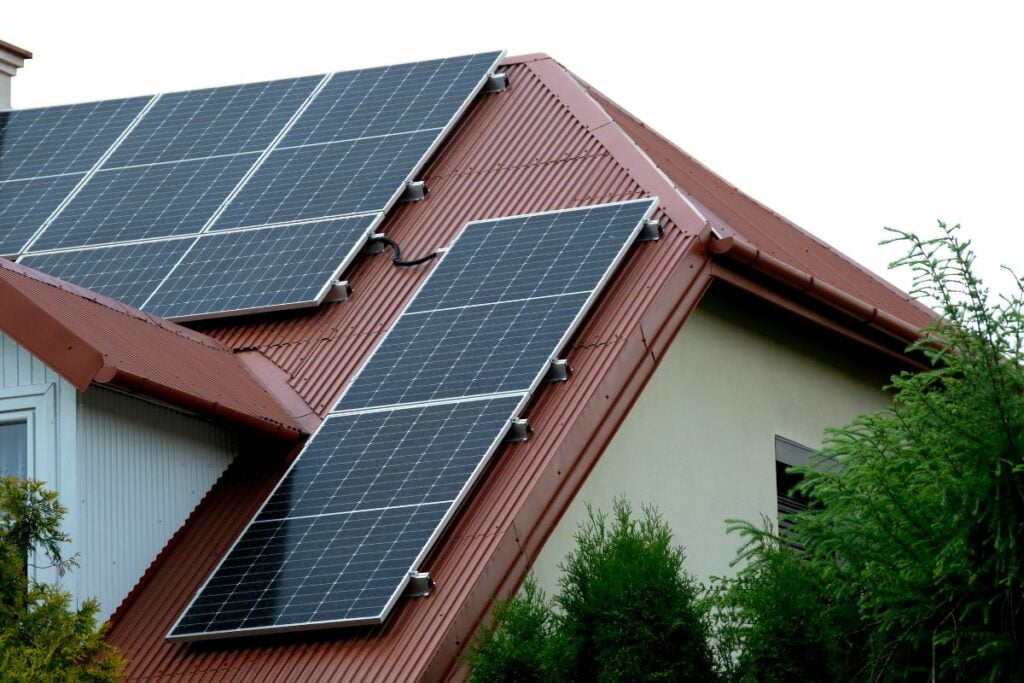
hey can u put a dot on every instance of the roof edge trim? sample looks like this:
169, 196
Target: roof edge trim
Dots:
747, 255
47, 338
134, 384
623, 149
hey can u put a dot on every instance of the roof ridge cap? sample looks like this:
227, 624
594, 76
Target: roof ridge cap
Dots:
113, 305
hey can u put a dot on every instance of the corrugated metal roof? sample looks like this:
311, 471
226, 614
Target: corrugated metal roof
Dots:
543, 144
89, 338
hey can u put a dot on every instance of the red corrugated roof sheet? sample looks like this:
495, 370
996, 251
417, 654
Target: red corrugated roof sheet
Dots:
86, 337
543, 144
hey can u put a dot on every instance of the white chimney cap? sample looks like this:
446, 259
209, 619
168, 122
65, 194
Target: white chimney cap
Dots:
12, 58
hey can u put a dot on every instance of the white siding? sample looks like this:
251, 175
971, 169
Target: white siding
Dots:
52, 458
699, 442
142, 469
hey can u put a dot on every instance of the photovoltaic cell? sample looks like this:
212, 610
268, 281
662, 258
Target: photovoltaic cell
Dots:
127, 272
409, 456
140, 202
326, 180
264, 268
65, 139
215, 121
457, 352
542, 254
26, 204
390, 99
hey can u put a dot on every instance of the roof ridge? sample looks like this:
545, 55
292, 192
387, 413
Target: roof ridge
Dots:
114, 305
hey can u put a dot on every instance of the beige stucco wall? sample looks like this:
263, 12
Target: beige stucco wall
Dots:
699, 442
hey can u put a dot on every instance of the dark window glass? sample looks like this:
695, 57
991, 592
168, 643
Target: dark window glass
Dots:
14, 449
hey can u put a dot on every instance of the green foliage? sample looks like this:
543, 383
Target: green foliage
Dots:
626, 611
42, 637
775, 620
914, 536
520, 644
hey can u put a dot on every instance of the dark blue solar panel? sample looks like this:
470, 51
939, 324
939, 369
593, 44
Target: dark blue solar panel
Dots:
464, 352
391, 99
65, 139
26, 204
141, 202
128, 272
337, 540
402, 457
202, 123
302, 571
303, 183
538, 255
265, 268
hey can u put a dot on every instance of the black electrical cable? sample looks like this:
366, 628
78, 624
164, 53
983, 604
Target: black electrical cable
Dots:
397, 253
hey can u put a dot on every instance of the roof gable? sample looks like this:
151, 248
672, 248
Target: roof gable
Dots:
86, 338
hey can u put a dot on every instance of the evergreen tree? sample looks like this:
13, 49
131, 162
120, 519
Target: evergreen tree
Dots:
913, 548
625, 611
42, 637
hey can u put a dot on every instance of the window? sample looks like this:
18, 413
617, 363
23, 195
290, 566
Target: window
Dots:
788, 454
14, 449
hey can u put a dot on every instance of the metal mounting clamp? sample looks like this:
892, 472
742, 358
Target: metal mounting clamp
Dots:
339, 291
496, 82
415, 191
650, 232
558, 371
374, 245
419, 586
519, 431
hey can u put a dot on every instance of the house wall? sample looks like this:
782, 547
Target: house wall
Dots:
141, 470
129, 471
699, 442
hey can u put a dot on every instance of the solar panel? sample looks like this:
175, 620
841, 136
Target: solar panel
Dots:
65, 139
25, 204
337, 539
126, 272
263, 268
415, 428
391, 99
198, 162
140, 202
215, 121
333, 179
465, 351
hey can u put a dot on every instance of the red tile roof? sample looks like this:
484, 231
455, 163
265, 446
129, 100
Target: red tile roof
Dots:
543, 144
86, 338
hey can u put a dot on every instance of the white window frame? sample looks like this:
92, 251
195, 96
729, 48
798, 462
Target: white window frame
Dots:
36, 406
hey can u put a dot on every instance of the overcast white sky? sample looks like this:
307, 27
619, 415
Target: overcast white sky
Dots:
843, 120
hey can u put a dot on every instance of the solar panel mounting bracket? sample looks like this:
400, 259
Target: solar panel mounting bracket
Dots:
519, 431
650, 232
558, 371
496, 82
415, 191
375, 245
419, 586
339, 291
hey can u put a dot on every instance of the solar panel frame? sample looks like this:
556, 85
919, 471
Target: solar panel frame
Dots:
523, 398
518, 400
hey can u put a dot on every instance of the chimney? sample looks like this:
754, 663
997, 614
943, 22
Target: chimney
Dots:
12, 58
